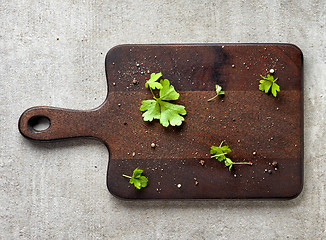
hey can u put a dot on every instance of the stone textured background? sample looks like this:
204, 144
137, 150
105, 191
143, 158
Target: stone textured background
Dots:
58, 191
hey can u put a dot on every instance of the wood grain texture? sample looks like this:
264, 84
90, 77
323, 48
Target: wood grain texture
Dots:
246, 118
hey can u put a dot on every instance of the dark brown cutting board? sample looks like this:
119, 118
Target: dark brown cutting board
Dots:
257, 127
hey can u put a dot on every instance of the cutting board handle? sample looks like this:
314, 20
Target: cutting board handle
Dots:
63, 123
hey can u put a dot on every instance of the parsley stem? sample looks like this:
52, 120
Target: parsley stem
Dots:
217, 155
212, 98
242, 163
126, 176
152, 93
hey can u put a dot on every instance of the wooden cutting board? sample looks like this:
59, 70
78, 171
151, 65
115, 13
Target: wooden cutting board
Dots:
256, 126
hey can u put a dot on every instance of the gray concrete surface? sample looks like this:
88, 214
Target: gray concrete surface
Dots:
54, 191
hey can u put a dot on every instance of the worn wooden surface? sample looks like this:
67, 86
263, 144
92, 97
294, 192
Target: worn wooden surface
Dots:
257, 127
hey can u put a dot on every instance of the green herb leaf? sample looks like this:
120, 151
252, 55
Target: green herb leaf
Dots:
218, 90
228, 163
152, 82
168, 92
171, 113
275, 89
137, 173
152, 110
269, 83
168, 113
220, 152
137, 179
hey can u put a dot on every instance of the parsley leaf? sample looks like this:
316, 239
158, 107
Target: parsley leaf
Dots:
218, 90
137, 179
228, 163
152, 110
220, 152
269, 83
168, 92
168, 113
171, 113
152, 82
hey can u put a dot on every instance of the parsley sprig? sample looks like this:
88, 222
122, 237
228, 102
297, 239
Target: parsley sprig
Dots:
159, 108
220, 152
269, 83
218, 90
137, 179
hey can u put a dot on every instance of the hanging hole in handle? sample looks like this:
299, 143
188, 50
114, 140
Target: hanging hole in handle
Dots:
39, 123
